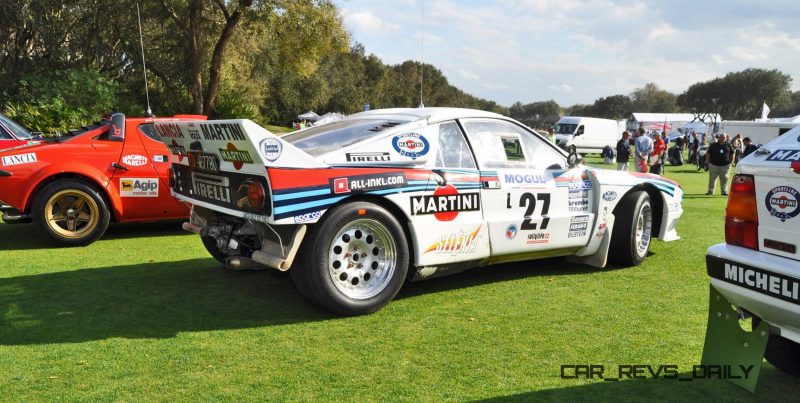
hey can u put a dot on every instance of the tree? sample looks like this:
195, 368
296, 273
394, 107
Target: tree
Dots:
650, 98
612, 107
739, 95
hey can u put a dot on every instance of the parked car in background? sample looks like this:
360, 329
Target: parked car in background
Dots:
74, 185
587, 135
354, 208
757, 269
12, 134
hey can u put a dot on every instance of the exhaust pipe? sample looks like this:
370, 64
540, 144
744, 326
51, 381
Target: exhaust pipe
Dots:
242, 263
14, 216
193, 228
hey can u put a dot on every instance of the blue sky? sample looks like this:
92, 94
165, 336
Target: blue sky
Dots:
576, 51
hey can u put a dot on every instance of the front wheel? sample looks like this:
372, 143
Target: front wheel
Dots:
71, 212
353, 262
630, 239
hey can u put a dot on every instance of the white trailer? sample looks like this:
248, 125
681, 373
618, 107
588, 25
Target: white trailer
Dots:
759, 132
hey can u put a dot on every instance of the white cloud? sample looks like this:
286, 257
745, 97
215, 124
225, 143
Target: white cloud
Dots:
368, 22
468, 74
562, 87
495, 87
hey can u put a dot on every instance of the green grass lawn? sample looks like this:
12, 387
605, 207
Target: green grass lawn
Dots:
145, 314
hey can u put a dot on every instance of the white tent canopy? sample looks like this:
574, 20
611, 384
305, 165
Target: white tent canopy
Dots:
328, 118
310, 115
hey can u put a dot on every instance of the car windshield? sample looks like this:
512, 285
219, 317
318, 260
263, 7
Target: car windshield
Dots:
320, 140
16, 129
565, 128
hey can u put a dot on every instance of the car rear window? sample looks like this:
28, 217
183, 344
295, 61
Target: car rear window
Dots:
320, 140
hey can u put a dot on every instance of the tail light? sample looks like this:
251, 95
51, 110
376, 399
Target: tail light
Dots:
255, 195
741, 215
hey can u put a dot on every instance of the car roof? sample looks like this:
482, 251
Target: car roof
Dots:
435, 114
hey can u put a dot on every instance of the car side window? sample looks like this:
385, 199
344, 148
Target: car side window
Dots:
149, 130
453, 150
4, 135
503, 144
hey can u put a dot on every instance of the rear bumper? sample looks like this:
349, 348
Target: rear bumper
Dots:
764, 284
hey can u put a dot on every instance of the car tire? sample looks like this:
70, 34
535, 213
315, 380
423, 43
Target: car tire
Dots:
354, 261
631, 236
784, 354
71, 212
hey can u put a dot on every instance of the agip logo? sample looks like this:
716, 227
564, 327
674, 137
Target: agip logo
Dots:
411, 145
782, 202
138, 187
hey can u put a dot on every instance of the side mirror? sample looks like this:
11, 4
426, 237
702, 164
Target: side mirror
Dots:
574, 159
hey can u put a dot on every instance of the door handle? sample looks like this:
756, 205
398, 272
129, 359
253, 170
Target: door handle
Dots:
119, 166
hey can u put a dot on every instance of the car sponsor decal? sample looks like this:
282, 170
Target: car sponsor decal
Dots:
169, 130
578, 194
222, 131
271, 149
368, 157
538, 238
19, 159
235, 156
134, 160
756, 279
527, 179
366, 183
445, 203
578, 225
138, 187
782, 202
578, 205
412, 145
511, 231
784, 155
211, 187
307, 217
160, 158
461, 242
610, 195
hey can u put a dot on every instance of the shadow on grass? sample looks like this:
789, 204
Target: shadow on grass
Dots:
28, 237
159, 300
153, 300
773, 385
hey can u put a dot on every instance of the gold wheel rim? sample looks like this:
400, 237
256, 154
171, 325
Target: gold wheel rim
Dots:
72, 213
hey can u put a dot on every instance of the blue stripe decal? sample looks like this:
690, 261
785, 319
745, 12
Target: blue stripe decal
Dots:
300, 206
297, 195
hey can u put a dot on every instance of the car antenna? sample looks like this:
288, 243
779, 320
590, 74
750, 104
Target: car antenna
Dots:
422, 52
149, 112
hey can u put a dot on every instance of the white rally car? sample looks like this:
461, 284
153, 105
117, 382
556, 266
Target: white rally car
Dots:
354, 208
757, 269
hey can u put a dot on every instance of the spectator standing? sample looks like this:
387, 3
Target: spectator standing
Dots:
719, 158
749, 147
693, 144
738, 148
656, 156
643, 146
623, 152
551, 136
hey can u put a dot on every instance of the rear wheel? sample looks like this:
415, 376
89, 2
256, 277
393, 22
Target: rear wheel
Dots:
354, 261
71, 212
630, 239
784, 354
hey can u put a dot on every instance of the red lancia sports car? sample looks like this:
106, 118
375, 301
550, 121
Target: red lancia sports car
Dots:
73, 186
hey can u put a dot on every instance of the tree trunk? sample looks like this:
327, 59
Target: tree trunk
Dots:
216, 58
196, 54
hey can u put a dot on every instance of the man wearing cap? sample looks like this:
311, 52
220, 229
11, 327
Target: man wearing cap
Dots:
719, 158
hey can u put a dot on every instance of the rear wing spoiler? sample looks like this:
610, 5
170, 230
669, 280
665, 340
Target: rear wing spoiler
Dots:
240, 145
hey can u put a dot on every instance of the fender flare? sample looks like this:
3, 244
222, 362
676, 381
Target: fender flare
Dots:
73, 170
